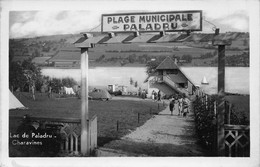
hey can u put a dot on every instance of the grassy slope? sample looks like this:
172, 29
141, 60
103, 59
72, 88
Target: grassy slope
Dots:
108, 113
151, 49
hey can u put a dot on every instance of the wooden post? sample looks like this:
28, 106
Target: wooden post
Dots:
138, 117
85, 131
215, 108
117, 126
206, 101
221, 101
229, 113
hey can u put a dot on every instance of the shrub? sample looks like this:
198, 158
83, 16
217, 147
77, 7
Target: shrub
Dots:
205, 122
57, 83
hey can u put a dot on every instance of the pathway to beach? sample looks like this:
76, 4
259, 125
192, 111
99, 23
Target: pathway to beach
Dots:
162, 135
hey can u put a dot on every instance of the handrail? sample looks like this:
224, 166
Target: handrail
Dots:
167, 80
236, 127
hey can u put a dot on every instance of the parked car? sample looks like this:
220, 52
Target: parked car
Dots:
115, 93
99, 94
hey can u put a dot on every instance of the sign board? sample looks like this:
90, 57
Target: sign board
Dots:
153, 22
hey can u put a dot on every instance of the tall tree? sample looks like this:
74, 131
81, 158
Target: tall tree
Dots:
131, 81
136, 84
151, 66
24, 75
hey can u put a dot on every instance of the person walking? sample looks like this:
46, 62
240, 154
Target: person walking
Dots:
180, 107
153, 95
171, 105
50, 90
159, 95
185, 106
33, 91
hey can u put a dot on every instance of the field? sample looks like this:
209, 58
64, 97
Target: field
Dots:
119, 54
108, 113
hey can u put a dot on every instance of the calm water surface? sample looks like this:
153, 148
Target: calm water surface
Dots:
236, 78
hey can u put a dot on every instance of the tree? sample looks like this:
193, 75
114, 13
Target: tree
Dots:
131, 81
151, 66
16, 76
24, 75
245, 42
132, 58
136, 84
187, 58
36, 53
68, 82
35, 72
100, 58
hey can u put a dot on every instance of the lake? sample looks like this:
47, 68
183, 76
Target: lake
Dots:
236, 78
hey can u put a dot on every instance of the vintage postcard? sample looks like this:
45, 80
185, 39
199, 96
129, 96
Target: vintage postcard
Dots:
171, 81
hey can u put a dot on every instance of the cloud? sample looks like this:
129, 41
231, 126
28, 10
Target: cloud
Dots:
52, 22
229, 21
40, 23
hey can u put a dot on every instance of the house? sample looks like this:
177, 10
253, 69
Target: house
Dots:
41, 61
169, 79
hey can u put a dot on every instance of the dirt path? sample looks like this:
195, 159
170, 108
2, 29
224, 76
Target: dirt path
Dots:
163, 135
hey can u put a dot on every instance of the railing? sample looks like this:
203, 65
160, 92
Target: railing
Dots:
236, 138
237, 141
69, 131
172, 84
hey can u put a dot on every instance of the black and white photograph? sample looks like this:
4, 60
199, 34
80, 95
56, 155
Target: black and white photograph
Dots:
176, 81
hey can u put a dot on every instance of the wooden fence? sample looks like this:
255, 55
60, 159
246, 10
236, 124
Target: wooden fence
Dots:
69, 130
236, 138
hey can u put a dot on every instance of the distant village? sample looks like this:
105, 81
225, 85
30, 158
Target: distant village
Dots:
58, 51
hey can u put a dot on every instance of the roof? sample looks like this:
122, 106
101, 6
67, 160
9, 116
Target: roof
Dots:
92, 40
66, 55
40, 60
80, 40
120, 38
220, 39
178, 78
167, 63
14, 103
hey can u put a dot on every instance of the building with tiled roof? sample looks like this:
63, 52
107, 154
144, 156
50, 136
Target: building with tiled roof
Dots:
167, 64
169, 79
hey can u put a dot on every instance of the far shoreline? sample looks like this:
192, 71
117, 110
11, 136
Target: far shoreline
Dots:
132, 66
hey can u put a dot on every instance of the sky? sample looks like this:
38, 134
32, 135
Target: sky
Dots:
226, 16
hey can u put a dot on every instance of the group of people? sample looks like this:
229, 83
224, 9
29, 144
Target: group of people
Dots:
183, 105
156, 96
